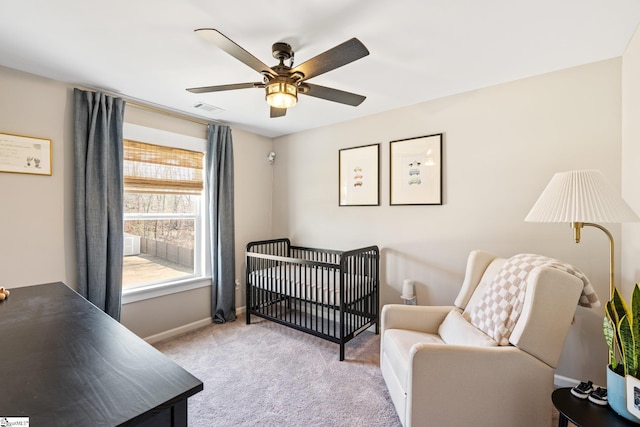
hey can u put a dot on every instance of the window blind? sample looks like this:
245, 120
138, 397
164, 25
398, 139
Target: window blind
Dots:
150, 168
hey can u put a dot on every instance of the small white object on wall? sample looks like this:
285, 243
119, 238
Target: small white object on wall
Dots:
271, 157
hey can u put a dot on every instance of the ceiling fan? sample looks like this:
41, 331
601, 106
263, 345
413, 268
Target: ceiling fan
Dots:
283, 83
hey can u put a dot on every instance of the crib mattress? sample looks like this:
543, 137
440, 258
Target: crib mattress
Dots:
315, 284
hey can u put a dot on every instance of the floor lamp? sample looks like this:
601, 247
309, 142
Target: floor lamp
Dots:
582, 198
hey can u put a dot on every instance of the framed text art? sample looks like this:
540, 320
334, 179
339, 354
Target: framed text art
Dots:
415, 167
359, 176
23, 154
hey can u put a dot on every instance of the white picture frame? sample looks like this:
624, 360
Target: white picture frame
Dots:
359, 176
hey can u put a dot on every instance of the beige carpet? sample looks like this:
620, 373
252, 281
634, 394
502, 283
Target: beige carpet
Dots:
265, 374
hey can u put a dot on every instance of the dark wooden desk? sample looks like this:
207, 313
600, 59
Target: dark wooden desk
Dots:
583, 413
64, 362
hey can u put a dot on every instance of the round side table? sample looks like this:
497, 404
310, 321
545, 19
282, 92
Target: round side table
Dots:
583, 413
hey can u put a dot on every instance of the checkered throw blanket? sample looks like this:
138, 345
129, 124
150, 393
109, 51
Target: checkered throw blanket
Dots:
498, 311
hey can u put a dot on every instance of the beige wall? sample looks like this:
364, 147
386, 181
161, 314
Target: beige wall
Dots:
36, 227
501, 147
36, 212
630, 161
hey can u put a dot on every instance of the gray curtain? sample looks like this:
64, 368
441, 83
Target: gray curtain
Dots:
221, 222
98, 179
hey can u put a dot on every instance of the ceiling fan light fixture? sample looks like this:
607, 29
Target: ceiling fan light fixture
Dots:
281, 93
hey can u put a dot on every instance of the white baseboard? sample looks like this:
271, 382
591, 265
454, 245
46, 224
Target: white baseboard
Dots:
177, 331
186, 328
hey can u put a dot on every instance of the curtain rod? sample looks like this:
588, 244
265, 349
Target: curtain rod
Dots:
182, 116
142, 106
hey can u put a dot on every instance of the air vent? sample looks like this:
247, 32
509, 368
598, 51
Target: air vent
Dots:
208, 107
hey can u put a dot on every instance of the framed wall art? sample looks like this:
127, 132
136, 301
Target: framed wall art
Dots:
23, 154
359, 176
415, 168
632, 385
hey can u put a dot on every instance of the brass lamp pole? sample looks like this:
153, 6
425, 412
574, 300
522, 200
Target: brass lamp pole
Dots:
577, 226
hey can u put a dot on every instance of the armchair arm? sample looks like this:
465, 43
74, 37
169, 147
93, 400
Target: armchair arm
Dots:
549, 305
419, 318
482, 379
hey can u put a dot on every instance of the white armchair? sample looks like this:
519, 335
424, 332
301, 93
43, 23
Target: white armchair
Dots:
441, 370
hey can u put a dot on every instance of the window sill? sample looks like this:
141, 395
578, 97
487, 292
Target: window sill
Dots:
158, 290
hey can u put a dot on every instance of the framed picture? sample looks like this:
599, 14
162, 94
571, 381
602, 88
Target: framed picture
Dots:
23, 154
633, 395
416, 171
359, 180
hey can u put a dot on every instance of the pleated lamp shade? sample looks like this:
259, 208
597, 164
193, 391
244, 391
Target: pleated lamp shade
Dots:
580, 196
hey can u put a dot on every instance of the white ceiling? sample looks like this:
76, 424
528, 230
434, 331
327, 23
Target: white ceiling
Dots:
420, 50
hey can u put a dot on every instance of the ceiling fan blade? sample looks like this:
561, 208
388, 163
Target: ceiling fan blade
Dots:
278, 112
334, 95
336, 57
220, 88
229, 46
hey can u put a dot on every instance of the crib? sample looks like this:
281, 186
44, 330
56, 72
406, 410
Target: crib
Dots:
331, 294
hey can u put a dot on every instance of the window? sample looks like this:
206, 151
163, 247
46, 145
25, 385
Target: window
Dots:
163, 211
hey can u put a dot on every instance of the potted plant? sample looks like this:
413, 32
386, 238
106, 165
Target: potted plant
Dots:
621, 327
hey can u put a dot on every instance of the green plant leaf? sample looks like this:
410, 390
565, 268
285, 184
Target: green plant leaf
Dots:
628, 345
619, 305
607, 328
635, 329
615, 347
621, 328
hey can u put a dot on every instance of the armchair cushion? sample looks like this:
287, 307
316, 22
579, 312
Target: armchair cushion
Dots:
457, 330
